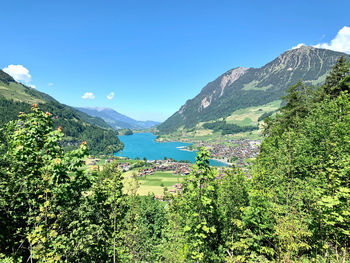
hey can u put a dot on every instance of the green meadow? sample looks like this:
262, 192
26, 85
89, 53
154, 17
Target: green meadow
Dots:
154, 183
249, 116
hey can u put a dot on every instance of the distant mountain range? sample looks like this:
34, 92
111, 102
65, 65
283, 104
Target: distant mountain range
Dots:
240, 87
77, 126
117, 120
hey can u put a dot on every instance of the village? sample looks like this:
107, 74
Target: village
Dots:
237, 152
180, 168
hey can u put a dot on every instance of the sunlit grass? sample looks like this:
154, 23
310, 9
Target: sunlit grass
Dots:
152, 183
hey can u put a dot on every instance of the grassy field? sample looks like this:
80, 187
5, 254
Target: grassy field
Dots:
250, 115
151, 183
154, 183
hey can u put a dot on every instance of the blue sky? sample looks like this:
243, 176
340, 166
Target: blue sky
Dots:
153, 55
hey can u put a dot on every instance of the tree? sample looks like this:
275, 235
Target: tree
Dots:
199, 211
333, 84
297, 101
110, 184
41, 187
232, 199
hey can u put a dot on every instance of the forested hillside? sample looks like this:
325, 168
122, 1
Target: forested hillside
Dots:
295, 208
77, 126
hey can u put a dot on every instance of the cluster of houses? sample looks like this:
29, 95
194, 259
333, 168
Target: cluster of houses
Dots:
234, 150
153, 166
177, 187
147, 171
125, 166
166, 165
94, 162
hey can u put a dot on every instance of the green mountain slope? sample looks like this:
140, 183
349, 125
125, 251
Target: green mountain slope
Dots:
77, 126
240, 88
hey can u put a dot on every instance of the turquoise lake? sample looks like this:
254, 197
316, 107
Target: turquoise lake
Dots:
144, 145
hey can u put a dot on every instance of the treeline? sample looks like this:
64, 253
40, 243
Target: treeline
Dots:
227, 128
295, 208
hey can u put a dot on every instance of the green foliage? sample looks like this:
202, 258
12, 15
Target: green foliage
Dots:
40, 188
144, 228
125, 132
298, 101
335, 81
199, 211
108, 199
304, 162
265, 115
128, 132
232, 200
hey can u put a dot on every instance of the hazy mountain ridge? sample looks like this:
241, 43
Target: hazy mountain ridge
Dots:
116, 119
245, 87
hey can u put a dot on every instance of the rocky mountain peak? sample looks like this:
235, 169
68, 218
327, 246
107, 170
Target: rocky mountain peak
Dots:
304, 58
231, 76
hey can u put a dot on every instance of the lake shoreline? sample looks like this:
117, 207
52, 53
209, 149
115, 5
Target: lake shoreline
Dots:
144, 145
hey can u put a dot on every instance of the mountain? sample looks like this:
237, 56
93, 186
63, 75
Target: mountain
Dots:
116, 119
240, 87
77, 126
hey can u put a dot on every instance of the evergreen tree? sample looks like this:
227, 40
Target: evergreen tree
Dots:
297, 104
333, 84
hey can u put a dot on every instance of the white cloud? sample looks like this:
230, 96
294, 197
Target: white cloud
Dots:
340, 43
50, 84
298, 46
110, 95
32, 86
88, 95
18, 72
